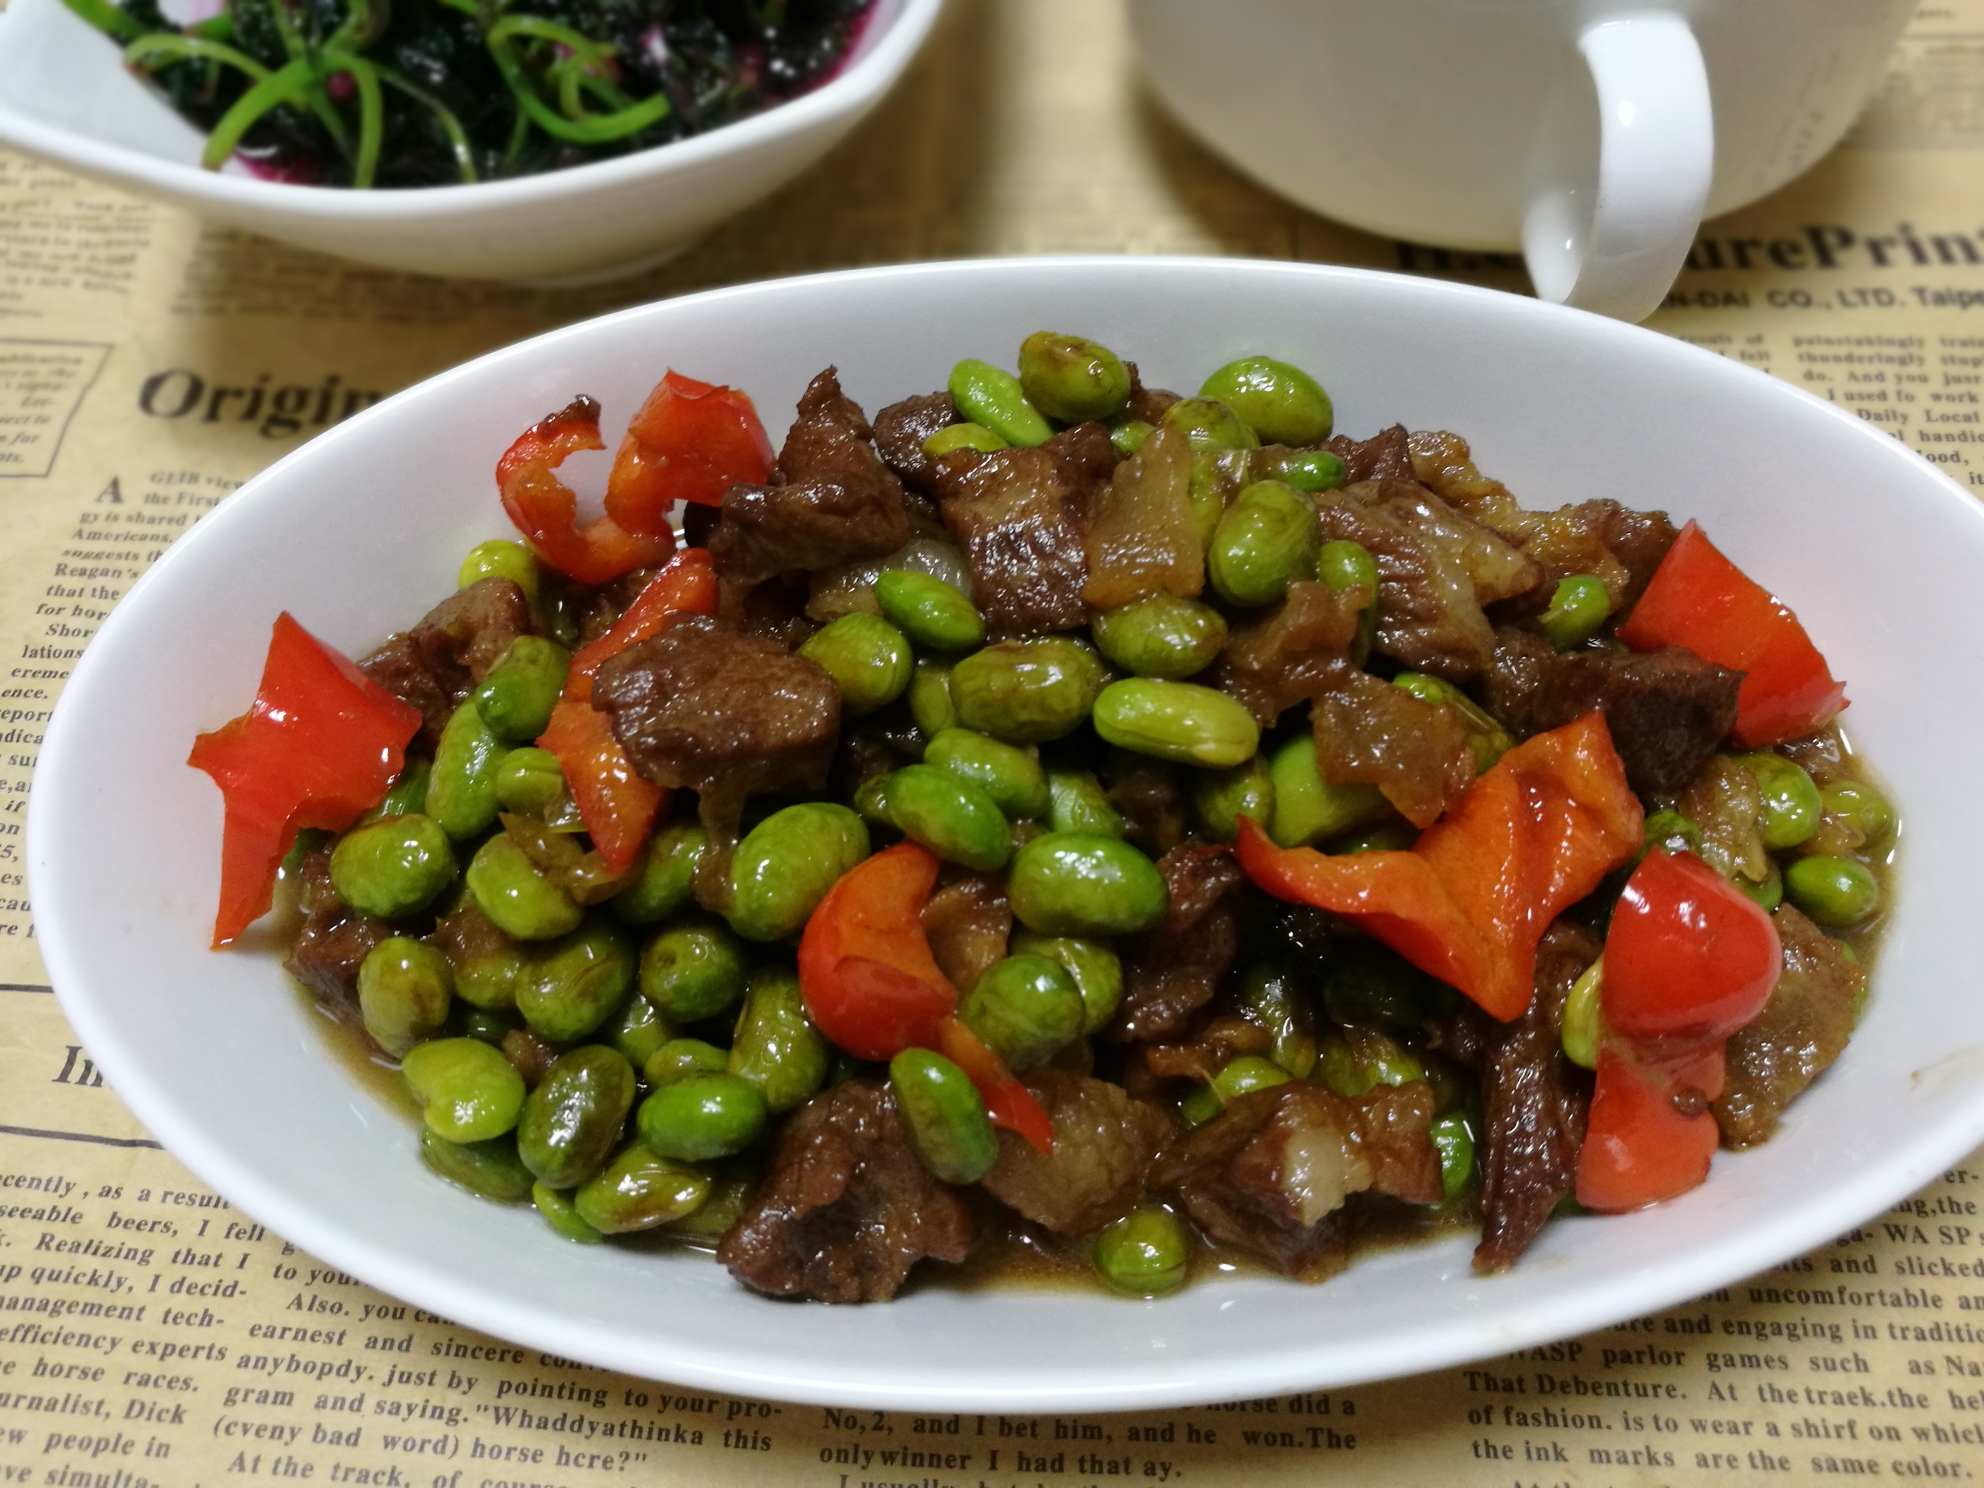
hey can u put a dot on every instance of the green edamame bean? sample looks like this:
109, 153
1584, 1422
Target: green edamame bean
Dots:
1217, 478
871, 799
508, 888
930, 697
1396, 835
1861, 806
963, 436
1128, 435
1268, 537
1209, 424
1145, 1253
1313, 470
1670, 831
1010, 775
1487, 738
639, 1190
461, 792
868, 658
1347, 565
480, 1023
1770, 892
1027, 692
1832, 891
703, 1117
785, 865
639, 1032
1354, 1061
1177, 721
1221, 797
1199, 1107
394, 866
680, 1058
1078, 803
1280, 402
1792, 805
468, 1092
944, 1115
694, 970
986, 395
1025, 1008
1578, 606
562, 1215
407, 794
500, 558
776, 1047
572, 1121
1272, 996
930, 612
1453, 1138
1072, 378
572, 985
1308, 809
516, 695
949, 815
1095, 969
667, 880
1370, 987
1163, 636
531, 782
1581, 1016
404, 989
1248, 1073
1068, 883
490, 1170
732, 1187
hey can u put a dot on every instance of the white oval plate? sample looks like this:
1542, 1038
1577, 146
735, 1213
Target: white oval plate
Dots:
359, 532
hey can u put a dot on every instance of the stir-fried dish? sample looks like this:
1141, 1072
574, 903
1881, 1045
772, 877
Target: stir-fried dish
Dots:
429, 92
1069, 819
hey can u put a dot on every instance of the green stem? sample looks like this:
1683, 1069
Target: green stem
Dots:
171, 48
371, 113
290, 82
539, 29
450, 125
597, 129
107, 17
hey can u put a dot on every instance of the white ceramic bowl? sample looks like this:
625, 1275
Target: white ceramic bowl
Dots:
358, 532
65, 96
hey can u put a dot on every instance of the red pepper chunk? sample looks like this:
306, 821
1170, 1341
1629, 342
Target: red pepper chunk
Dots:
1699, 600
319, 746
1471, 899
691, 441
546, 511
688, 582
1640, 1147
617, 803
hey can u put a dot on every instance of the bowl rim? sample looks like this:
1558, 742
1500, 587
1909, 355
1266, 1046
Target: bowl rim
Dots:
850, 91
1724, 1258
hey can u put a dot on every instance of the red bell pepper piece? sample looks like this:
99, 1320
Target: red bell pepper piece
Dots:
1530, 837
688, 582
1700, 600
319, 746
1009, 1103
691, 441
617, 803
1639, 1146
546, 511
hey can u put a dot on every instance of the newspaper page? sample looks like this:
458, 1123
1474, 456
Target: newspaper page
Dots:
152, 1335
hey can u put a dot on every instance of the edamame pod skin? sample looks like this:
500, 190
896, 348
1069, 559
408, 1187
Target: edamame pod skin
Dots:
516, 695
572, 1122
490, 1170
468, 1092
944, 1116
1163, 636
395, 866
1027, 692
1266, 539
785, 865
933, 614
703, 1117
1026, 1008
776, 1047
513, 895
693, 970
1071, 378
1177, 721
1010, 775
461, 791
1279, 401
404, 991
408, 793
1094, 967
667, 880
1066, 883
572, 985
868, 658
947, 814
639, 1190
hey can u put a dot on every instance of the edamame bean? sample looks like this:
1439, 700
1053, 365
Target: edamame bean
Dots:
1670, 831
703, 1116
1354, 1061
1861, 806
490, 1170
1128, 435
530, 782
1271, 996
1578, 606
1453, 1138
1078, 803
1268, 537
1581, 1016
1163, 636
639, 1190
949, 815
1177, 721
930, 612
516, 695
1348, 565
1248, 1073
667, 880
1071, 378
930, 697
1487, 738
694, 970
868, 658
1027, 692
1792, 805
1308, 809
732, 1187
1769, 893
680, 1058
1007, 773
1209, 424
1025, 1008
1280, 402
1313, 470
408, 793
461, 792
1217, 477
468, 1092
776, 1047
479, 1023
986, 395
572, 985
785, 865
572, 1121
404, 989
944, 1115
1372, 987
1146, 1253
1832, 891
1199, 1107
960, 437
563, 1216
395, 866
1092, 965
1068, 883
500, 558
639, 1032
508, 888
